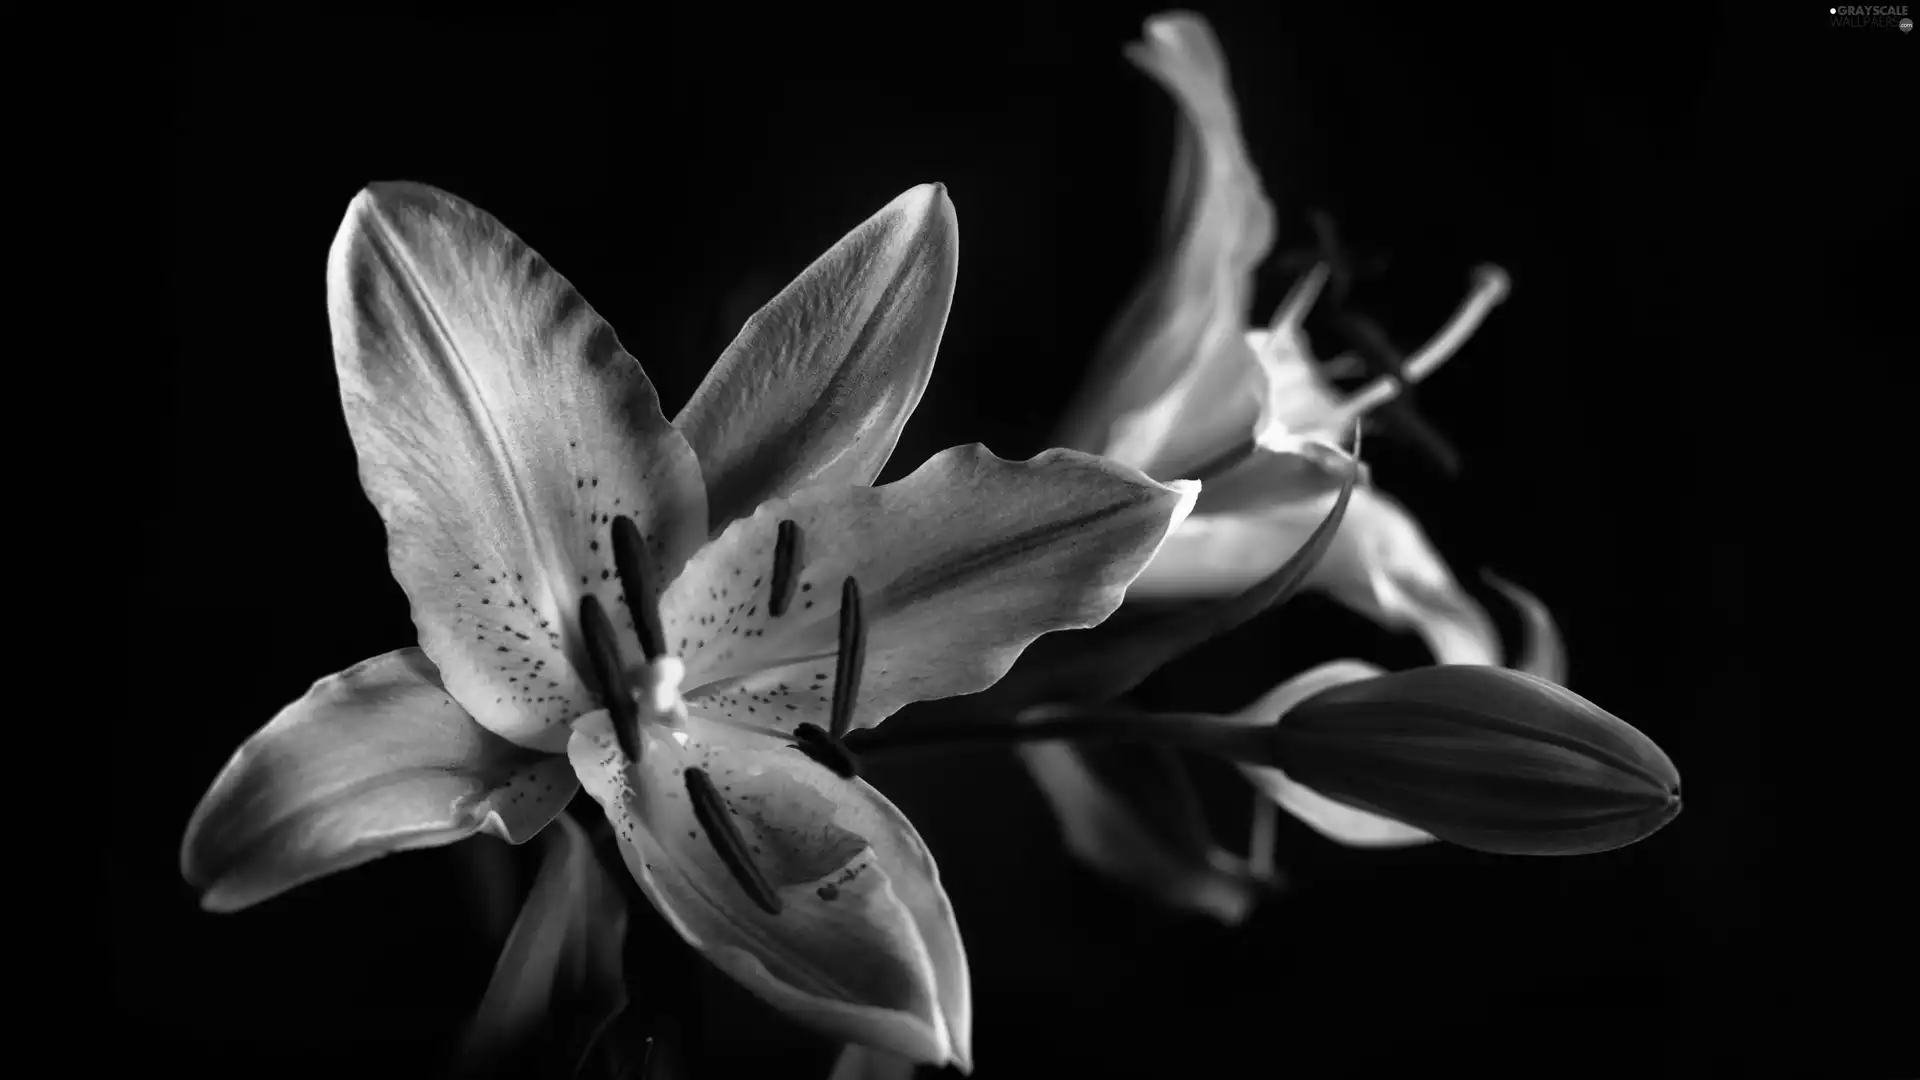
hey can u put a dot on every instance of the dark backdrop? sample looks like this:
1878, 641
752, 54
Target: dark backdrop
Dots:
679, 167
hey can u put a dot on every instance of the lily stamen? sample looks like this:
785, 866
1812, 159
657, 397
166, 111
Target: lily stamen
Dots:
712, 813
603, 656
826, 746
785, 546
851, 659
627, 546
1490, 288
1377, 352
811, 740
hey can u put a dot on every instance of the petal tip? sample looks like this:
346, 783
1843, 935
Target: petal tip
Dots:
925, 201
1189, 494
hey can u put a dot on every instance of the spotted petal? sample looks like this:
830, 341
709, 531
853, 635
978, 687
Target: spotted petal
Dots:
1176, 383
960, 565
376, 759
864, 947
1381, 565
499, 425
1337, 821
818, 384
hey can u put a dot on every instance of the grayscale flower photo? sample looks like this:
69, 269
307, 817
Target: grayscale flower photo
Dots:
860, 543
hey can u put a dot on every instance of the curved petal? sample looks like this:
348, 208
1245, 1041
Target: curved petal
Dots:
499, 426
1381, 564
864, 948
1295, 396
1337, 821
1102, 830
961, 565
1543, 654
1285, 469
559, 980
817, 385
1391, 573
376, 759
1176, 384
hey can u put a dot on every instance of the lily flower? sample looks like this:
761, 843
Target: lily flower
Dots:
648, 609
1187, 387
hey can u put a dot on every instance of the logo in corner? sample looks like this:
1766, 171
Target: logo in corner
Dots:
1883, 16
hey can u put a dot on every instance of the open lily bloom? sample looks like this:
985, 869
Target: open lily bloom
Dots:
647, 608
1187, 386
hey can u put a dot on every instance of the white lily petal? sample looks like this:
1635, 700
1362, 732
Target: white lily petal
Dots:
960, 565
817, 386
1175, 386
499, 426
864, 948
1543, 654
1283, 468
1337, 821
375, 759
1381, 565
1296, 398
1391, 572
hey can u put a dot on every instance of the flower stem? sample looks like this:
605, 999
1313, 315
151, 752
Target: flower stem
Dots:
1234, 740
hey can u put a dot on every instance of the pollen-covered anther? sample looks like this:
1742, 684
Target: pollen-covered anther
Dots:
629, 562
826, 750
826, 746
710, 809
786, 546
850, 660
610, 681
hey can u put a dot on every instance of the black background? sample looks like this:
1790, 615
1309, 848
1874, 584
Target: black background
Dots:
679, 167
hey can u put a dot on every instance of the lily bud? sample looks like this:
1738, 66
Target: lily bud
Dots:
1487, 758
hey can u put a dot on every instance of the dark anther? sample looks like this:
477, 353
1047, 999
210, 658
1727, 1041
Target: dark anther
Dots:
785, 546
610, 682
711, 811
852, 657
627, 548
823, 748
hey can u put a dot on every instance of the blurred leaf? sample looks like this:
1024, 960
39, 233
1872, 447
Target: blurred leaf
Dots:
558, 986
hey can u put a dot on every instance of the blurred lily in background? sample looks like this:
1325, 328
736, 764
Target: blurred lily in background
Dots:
573, 560
1185, 386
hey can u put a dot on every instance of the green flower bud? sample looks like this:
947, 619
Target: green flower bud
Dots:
1484, 757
